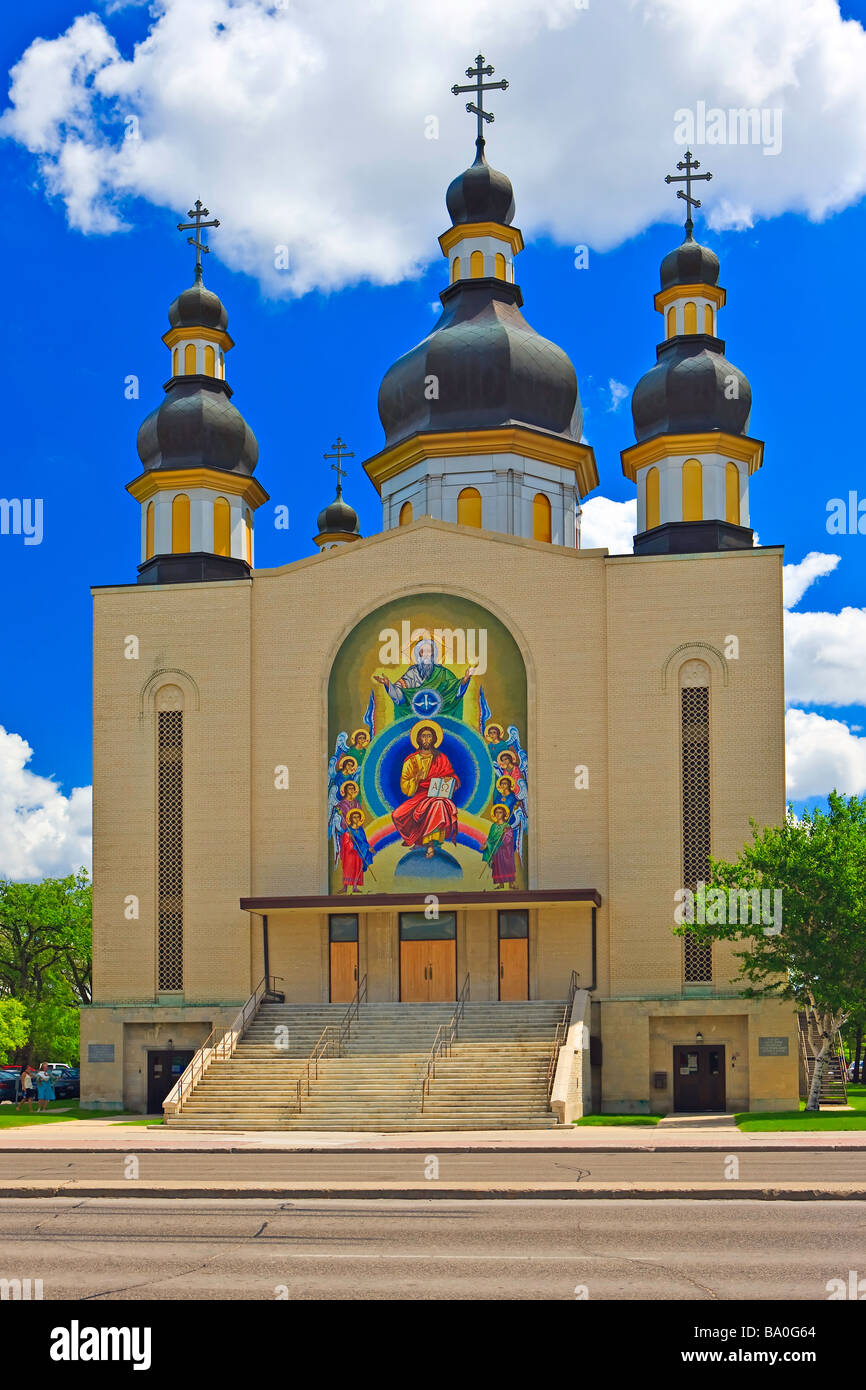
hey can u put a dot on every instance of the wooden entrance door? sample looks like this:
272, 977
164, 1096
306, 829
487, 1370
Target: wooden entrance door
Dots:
699, 1078
428, 971
164, 1070
514, 954
344, 971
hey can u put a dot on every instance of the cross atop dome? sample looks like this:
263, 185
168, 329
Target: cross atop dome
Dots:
341, 451
479, 87
198, 214
688, 178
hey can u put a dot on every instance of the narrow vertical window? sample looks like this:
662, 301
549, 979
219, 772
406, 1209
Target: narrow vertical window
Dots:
170, 849
455, 269
180, 524
499, 266
690, 318
469, 507
149, 531
653, 509
174, 363
693, 502
476, 265
541, 526
405, 514
189, 359
732, 493
695, 733
672, 321
222, 524
709, 326
248, 536
209, 361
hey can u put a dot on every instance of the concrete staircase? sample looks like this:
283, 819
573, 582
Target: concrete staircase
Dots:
496, 1077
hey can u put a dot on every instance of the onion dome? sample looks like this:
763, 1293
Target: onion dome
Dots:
690, 264
196, 426
198, 308
480, 194
490, 368
339, 517
689, 391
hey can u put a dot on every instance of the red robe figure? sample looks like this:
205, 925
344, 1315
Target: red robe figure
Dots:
355, 853
423, 819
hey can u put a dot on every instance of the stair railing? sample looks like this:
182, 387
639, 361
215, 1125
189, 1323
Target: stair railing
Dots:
331, 1043
218, 1046
446, 1035
561, 1033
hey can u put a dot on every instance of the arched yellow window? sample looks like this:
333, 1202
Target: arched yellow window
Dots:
455, 269
672, 321
693, 501
222, 527
174, 363
690, 318
149, 518
248, 535
180, 524
189, 359
653, 511
541, 530
469, 507
476, 265
499, 266
732, 493
405, 514
210, 361
222, 371
709, 326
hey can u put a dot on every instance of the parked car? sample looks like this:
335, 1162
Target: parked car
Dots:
67, 1083
56, 1066
8, 1084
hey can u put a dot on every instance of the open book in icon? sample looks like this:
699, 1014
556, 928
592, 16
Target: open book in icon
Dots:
441, 786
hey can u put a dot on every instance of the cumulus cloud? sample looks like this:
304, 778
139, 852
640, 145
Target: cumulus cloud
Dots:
796, 579
42, 832
608, 523
331, 130
823, 755
825, 657
618, 393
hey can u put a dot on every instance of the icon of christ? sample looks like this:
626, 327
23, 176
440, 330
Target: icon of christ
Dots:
425, 819
426, 687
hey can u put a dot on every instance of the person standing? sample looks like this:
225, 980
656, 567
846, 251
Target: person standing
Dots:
25, 1089
44, 1088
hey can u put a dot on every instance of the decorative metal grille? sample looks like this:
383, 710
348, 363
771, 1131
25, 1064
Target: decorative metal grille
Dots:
697, 955
170, 847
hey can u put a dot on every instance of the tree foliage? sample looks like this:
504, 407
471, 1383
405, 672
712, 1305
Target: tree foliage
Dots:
45, 959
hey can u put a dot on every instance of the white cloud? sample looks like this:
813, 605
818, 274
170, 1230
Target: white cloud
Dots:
825, 657
42, 832
796, 579
823, 755
608, 523
304, 125
618, 393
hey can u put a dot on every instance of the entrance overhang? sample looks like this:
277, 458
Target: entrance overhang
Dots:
375, 902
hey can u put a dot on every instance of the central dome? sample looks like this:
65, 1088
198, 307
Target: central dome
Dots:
196, 426
489, 367
480, 194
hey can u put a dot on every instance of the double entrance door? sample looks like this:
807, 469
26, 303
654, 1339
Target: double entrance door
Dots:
164, 1070
428, 957
699, 1078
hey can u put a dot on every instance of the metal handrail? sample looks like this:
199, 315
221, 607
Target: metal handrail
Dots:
442, 1045
219, 1045
331, 1041
561, 1033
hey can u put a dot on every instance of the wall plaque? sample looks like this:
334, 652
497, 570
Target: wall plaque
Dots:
100, 1052
772, 1047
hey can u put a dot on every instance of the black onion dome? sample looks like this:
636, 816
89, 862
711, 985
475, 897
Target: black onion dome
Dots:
339, 516
490, 367
480, 194
196, 426
689, 391
690, 264
198, 308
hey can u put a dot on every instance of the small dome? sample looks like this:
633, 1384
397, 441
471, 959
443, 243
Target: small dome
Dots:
198, 308
339, 516
491, 367
688, 391
690, 264
196, 426
480, 194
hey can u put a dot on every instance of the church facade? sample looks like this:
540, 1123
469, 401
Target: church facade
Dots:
500, 756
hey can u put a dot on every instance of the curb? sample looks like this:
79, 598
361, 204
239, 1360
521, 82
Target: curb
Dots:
743, 1147
436, 1191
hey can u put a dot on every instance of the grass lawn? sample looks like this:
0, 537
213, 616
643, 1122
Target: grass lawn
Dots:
764, 1120
618, 1120
57, 1111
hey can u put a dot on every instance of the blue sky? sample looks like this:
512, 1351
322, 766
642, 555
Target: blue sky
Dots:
88, 309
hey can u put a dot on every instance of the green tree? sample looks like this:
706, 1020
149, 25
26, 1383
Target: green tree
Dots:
14, 1027
45, 958
817, 955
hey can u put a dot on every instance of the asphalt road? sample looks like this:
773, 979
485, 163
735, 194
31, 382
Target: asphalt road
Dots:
249, 1249
708, 1166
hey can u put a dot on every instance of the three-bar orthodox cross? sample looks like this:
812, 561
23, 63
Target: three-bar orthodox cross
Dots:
342, 451
198, 214
688, 178
479, 87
